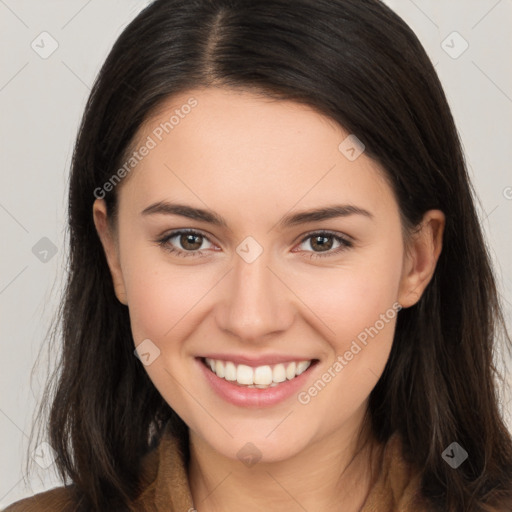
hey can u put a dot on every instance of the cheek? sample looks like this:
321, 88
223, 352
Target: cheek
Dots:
164, 303
360, 351
358, 304
352, 297
162, 300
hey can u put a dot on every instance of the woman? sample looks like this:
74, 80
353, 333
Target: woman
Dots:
279, 295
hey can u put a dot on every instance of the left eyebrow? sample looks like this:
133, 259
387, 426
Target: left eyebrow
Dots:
326, 213
329, 212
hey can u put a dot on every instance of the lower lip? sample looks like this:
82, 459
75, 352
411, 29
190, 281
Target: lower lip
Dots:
254, 397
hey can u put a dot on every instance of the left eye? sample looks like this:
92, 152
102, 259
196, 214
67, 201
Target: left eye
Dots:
323, 240
191, 241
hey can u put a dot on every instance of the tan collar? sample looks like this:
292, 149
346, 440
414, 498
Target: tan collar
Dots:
396, 488
165, 478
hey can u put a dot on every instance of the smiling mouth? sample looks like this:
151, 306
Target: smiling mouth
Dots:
261, 377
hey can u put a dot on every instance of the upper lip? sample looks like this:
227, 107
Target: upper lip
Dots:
254, 361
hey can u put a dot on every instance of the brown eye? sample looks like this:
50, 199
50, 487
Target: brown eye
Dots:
191, 242
184, 242
323, 242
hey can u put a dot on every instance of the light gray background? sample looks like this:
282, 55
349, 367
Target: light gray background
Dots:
42, 100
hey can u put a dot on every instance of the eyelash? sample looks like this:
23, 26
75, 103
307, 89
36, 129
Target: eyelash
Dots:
164, 243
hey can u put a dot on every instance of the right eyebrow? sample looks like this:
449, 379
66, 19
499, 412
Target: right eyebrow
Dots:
164, 207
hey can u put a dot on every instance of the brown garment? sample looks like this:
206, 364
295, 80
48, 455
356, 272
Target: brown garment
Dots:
166, 486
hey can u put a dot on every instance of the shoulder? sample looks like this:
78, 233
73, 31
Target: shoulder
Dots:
58, 499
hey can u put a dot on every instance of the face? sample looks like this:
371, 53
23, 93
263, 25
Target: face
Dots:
264, 286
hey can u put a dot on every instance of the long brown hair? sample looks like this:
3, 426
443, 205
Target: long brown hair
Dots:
359, 63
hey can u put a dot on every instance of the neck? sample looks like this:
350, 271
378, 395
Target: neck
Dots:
334, 473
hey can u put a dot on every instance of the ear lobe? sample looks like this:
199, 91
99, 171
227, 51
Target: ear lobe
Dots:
422, 254
110, 247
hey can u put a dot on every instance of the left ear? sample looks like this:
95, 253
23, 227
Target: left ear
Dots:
421, 255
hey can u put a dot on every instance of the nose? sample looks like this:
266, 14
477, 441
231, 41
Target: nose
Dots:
258, 303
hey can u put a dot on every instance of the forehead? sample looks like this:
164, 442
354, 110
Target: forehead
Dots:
222, 146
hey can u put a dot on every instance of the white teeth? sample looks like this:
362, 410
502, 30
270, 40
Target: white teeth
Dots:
290, 371
260, 377
219, 368
279, 373
230, 371
244, 374
302, 367
263, 375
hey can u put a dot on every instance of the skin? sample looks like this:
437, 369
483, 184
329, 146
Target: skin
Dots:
253, 160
